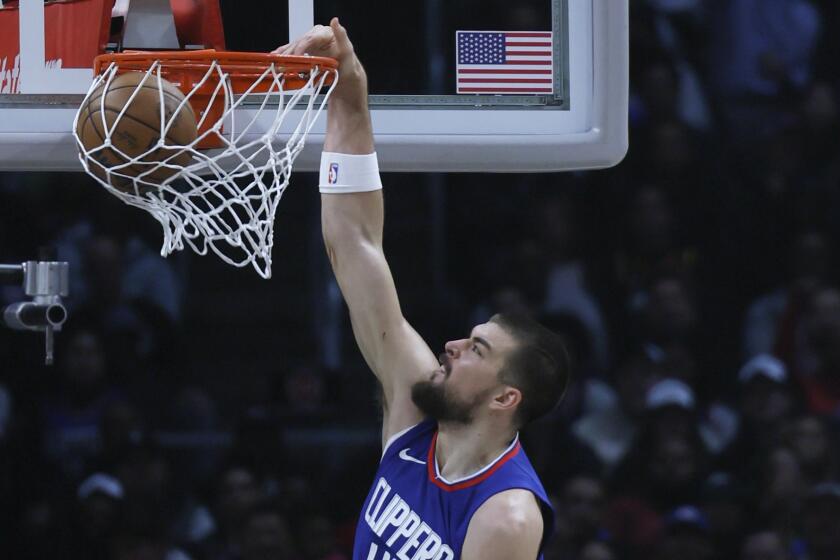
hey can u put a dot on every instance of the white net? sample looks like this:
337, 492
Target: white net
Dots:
223, 200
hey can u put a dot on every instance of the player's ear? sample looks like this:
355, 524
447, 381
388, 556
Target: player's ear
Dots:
508, 399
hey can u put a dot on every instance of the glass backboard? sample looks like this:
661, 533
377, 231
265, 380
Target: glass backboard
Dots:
474, 85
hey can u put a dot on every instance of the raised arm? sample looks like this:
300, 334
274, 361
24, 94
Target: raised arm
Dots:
352, 217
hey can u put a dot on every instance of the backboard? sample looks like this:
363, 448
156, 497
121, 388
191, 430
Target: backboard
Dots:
474, 85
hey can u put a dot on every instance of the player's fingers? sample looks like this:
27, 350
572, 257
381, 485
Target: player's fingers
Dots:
317, 41
301, 48
292, 48
340, 34
282, 49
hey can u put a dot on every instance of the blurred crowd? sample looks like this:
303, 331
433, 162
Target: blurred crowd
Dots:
197, 412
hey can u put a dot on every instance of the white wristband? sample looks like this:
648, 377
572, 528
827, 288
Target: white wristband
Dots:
347, 173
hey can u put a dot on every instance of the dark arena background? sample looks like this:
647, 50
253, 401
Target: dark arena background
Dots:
198, 412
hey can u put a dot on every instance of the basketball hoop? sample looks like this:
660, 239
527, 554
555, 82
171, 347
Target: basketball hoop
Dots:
220, 191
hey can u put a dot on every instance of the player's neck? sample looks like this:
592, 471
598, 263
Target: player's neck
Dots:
461, 451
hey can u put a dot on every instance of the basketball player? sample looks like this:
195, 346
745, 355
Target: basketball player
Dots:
453, 482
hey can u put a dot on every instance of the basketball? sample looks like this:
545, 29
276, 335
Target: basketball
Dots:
137, 131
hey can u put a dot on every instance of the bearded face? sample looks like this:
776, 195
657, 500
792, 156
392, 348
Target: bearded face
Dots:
434, 402
435, 399
467, 377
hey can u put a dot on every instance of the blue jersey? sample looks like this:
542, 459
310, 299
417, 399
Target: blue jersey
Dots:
413, 513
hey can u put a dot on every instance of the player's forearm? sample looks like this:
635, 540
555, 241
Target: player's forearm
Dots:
349, 129
354, 247
352, 220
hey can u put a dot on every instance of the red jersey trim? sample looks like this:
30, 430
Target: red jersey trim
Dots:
478, 479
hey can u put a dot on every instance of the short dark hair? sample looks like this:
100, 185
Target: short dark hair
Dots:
539, 366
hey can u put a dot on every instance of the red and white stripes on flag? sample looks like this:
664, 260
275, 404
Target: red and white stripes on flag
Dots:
507, 62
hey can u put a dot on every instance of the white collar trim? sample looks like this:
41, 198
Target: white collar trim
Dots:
477, 473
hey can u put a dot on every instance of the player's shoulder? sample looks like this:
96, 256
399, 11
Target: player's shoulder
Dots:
508, 511
508, 524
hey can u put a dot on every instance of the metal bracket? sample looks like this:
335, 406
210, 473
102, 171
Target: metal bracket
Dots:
46, 283
149, 24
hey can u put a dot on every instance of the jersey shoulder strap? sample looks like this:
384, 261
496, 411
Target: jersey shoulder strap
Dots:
414, 438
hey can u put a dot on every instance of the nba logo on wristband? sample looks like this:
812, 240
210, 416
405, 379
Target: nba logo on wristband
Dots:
358, 173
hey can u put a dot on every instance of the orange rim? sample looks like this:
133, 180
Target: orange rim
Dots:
245, 72
238, 65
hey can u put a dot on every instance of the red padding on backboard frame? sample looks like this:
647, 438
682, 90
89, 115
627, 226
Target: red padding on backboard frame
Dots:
199, 22
76, 31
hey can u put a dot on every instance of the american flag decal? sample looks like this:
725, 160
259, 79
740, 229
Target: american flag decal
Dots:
504, 62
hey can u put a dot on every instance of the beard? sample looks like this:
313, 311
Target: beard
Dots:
433, 401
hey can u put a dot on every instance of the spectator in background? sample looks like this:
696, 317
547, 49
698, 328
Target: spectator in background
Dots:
42, 529
194, 412
73, 414
152, 504
305, 394
668, 90
649, 247
265, 535
129, 289
766, 402
668, 33
673, 409
674, 158
773, 321
820, 314
100, 498
566, 289
596, 551
686, 536
665, 467
668, 463
761, 54
810, 440
236, 493
580, 519
669, 317
316, 538
819, 122
723, 502
121, 430
766, 399
781, 487
258, 444
821, 518
613, 412
655, 95
112, 269
145, 548
821, 381
764, 545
